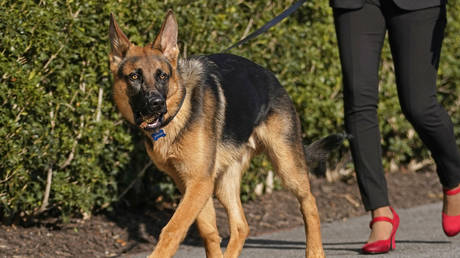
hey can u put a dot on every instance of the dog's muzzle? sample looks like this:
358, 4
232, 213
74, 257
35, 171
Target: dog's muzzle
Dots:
151, 117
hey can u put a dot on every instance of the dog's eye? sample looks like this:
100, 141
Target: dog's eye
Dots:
163, 76
133, 76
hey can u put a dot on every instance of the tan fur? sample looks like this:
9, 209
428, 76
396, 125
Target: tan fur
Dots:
198, 161
290, 165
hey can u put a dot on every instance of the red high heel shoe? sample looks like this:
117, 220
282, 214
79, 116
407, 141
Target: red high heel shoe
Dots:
383, 246
451, 224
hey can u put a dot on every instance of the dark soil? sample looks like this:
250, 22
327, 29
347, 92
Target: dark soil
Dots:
134, 231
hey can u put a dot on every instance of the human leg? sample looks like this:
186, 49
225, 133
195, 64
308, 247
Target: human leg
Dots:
416, 39
360, 35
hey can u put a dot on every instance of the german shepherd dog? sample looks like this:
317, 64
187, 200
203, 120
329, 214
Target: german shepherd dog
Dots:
204, 118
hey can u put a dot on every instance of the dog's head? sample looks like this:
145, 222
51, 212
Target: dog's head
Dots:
146, 84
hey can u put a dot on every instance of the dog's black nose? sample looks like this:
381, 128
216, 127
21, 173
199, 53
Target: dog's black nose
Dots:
157, 101
157, 104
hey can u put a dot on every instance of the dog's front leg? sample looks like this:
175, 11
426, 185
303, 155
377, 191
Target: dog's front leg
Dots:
197, 193
206, 223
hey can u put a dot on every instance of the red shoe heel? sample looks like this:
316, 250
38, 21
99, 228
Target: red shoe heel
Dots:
383, 246
451, 224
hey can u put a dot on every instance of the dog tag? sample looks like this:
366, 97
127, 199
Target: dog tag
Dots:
158, 135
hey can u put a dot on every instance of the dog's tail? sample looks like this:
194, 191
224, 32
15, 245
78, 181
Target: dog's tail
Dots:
317, 153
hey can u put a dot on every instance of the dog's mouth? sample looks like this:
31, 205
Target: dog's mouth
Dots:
152, 123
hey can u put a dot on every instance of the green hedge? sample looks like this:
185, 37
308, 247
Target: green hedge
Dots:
57, 116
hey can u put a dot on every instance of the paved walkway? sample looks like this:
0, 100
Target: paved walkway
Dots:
419, 235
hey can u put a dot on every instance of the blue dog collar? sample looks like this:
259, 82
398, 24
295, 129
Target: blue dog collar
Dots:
158, 135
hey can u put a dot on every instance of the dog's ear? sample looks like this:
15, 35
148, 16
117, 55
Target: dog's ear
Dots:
119, 43
166, 41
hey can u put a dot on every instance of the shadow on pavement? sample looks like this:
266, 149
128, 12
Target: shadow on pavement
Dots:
273, 244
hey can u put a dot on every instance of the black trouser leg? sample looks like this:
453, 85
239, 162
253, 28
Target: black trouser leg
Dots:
416, 39
360, 35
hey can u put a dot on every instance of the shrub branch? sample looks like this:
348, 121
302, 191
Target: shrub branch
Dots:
49, 179
135, 179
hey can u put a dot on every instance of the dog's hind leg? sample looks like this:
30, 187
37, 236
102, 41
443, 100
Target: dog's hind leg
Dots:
228, 192
281, 138
206, 223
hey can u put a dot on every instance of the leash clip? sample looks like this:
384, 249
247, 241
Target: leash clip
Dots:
158, 135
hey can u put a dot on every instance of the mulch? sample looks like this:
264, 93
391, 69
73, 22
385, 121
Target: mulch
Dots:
131, 231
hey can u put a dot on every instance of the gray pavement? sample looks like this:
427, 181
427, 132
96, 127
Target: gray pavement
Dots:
419, 235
